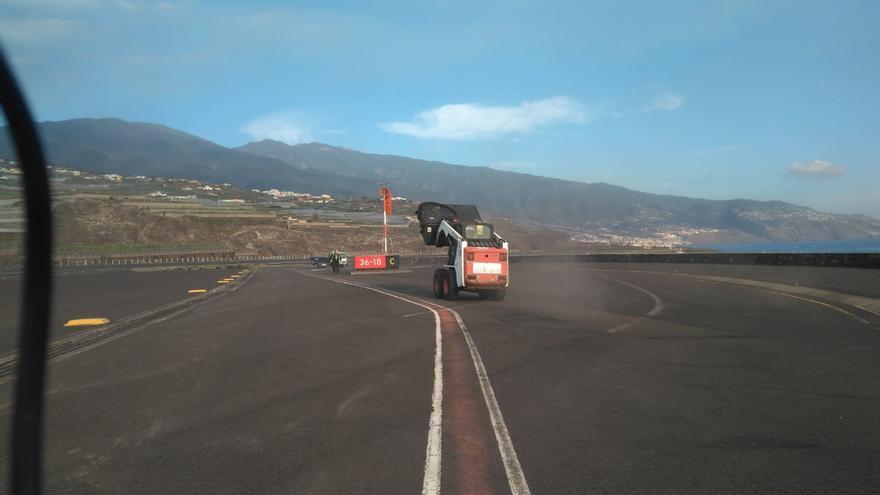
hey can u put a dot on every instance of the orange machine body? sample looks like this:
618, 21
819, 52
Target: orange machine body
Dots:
485, 267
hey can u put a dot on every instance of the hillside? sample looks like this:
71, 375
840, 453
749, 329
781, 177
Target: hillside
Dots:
111, 225
113, 145
573, 204
134, 148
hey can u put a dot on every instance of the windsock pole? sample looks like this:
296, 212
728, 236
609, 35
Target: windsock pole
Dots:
386, 203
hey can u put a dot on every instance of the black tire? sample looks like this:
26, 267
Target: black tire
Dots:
438, 282
450, 292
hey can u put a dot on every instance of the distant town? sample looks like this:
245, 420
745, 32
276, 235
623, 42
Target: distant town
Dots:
192, 190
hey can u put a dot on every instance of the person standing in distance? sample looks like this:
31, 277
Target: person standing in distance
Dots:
334, 261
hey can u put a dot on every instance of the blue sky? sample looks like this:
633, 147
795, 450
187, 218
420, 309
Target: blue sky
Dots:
716, 99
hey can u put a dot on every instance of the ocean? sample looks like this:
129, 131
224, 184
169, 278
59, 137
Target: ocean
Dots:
851, 246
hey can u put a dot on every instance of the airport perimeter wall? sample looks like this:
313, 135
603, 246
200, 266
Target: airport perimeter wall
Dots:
849, 260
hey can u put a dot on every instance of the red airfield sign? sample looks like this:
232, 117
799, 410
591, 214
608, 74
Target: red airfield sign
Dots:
377, 262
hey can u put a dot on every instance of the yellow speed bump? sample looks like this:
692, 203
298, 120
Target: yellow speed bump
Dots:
234, 276
196, 291
86, 322
229, 279
223, 281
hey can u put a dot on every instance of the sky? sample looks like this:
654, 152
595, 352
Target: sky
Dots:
717, 99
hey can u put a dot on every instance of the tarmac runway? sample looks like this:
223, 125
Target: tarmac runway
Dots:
100, 293
587, 378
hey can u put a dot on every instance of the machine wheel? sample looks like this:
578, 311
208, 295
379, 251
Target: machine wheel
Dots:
450, 287
439, 275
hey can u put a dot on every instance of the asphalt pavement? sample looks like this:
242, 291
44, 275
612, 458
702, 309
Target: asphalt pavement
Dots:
582, 380
855, 281
101, 293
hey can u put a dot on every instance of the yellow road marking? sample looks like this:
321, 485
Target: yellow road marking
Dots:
234, 276
223, 281
196, 291
86, 322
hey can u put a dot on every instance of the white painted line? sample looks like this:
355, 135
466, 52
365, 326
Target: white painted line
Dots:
431, 485
658, 304
381, 272
515, 476
791, 291
434, 450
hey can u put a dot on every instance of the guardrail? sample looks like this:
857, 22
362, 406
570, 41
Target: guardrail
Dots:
205, 258
850, 260
154, 260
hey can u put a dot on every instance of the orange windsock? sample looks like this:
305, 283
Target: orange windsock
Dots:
386, 198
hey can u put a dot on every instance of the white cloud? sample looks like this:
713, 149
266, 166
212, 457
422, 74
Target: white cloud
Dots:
816, 169
466, 121
284, 127
664, 101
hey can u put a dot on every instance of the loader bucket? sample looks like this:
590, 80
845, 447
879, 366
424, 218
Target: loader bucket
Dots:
430, 215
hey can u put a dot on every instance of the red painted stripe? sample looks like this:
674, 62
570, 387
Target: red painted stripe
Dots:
467, 447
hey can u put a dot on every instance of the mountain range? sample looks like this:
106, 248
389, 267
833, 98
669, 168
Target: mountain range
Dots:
130, 148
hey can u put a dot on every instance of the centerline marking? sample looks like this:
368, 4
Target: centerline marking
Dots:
655, 310
515, 476
658, 304
741, 283
431, 485
434, 450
